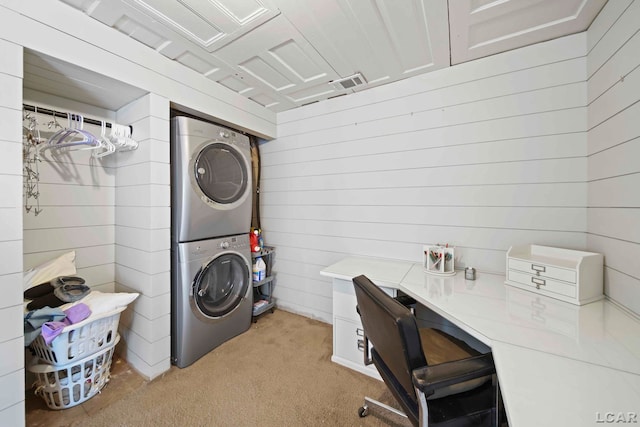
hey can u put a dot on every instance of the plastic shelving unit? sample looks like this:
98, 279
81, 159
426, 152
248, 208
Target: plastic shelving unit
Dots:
263, 290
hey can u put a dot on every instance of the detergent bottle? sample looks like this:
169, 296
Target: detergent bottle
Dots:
254, 240
259, 270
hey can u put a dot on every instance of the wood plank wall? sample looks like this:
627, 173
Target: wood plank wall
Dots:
143, 235
77, 195
11, 311
614, 148
484, 155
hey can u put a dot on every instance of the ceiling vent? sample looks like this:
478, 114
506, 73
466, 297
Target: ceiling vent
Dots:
349, 82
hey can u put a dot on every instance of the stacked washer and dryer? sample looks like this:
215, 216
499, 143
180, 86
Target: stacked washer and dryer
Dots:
211, 287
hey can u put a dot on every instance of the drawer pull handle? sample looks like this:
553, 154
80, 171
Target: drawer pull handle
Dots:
537, 282
361, 345
538, 268
359, 332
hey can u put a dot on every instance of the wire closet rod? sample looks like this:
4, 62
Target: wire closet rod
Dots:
64, 116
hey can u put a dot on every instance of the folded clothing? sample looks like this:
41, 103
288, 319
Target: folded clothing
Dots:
48, 287
34, 320
74, 314
65, 290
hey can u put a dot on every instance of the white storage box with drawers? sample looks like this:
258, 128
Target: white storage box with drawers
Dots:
564, 274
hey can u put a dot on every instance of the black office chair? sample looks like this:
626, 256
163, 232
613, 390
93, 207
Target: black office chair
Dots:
450, 393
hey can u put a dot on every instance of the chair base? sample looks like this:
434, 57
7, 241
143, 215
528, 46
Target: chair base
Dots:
363, 411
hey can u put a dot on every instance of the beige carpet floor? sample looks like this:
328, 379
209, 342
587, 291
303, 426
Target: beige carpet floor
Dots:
278, 373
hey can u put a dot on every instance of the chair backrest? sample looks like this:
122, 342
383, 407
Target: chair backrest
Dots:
393, 332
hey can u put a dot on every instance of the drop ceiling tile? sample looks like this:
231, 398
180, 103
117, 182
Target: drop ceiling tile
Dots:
377, 38
265, 100
140, 32
195, 63
235, 84
264, 72
182, 19
481, 28
292, 56
211, 24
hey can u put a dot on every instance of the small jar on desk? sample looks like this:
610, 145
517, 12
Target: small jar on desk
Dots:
470, 273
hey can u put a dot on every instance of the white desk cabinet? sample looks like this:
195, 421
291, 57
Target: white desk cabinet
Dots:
348, 335
564, 274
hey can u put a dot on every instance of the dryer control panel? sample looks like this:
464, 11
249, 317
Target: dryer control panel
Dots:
230, 137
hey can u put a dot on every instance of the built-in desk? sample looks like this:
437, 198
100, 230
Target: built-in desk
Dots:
558, 364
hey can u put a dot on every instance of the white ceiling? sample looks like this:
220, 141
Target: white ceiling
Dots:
285, 53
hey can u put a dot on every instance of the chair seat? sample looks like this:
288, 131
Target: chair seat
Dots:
440, 347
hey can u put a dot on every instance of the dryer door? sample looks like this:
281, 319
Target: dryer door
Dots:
221, 173
220, 286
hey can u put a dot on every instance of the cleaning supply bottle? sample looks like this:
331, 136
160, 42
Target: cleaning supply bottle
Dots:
259, 270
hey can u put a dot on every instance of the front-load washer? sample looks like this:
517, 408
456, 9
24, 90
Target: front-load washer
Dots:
211, 180
211, 298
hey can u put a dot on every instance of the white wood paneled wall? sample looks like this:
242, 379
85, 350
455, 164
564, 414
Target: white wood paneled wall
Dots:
484, 155
11, 334
77, 194
143, 235
614, 148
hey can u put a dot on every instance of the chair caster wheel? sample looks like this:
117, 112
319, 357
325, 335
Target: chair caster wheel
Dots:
363, 411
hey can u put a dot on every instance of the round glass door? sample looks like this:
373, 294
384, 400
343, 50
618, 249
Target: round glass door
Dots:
220, 285
221, 173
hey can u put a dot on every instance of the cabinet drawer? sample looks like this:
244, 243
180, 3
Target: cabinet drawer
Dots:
543, 270
344, 305
546, 284
344, 299
348, 340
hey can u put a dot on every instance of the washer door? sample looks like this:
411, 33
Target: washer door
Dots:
220, 286
221, 173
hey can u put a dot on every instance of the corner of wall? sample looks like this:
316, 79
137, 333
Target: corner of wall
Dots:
143, 235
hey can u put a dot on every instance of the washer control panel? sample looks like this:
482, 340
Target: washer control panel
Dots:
233, 243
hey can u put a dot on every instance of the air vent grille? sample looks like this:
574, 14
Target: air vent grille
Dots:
349, 82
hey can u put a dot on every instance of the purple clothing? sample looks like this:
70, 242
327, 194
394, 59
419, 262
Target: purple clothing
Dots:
74, 314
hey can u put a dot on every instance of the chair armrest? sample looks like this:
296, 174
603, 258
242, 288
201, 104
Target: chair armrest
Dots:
431, 378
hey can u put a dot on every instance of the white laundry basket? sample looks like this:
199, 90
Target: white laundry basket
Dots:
80, 340
65, 386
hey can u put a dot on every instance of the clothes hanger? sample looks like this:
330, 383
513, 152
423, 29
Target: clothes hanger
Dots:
121, 138
106, 146
73, 136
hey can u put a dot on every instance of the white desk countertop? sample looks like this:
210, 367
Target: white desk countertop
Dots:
557, 363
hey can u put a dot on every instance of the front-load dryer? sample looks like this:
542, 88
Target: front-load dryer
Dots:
211, 180
211, 298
